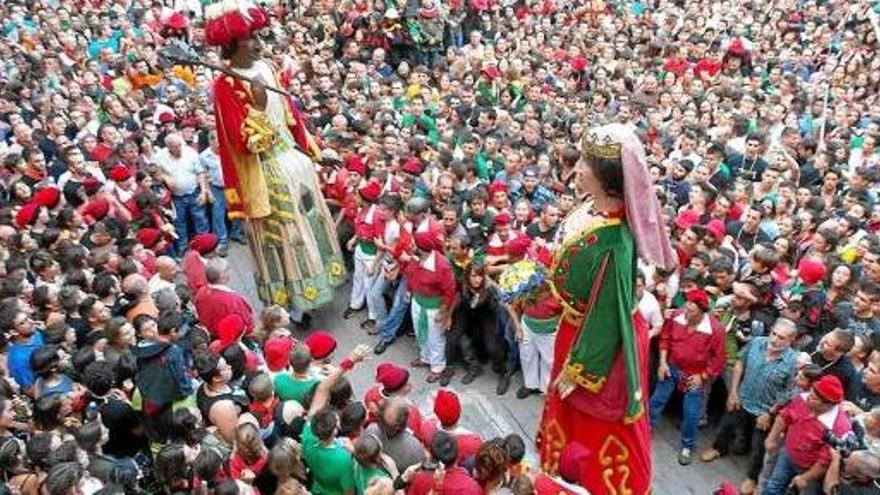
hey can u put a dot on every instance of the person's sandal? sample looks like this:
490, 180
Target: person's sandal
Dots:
433, 377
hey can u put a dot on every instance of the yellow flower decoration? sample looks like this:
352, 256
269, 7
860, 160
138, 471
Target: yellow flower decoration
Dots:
336, 268
281, 297
310, 293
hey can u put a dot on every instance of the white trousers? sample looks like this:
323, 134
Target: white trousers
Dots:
433, 350
361, 281
536, 358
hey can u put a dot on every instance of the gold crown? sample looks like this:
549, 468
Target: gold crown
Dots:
598, 147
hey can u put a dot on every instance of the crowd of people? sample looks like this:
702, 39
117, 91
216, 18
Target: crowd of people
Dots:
449, 135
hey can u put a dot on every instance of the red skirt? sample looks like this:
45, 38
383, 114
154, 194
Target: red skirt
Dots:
620, 448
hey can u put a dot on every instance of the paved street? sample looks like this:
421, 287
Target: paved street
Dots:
483, 410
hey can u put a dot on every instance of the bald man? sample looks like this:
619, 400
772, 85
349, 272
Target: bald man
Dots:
166, 272
137, 291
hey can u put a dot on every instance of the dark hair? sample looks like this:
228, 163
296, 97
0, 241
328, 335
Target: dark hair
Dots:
340, 393
609, 171
45, 360
171, 465
352, 418
47, 411
38, 449
168, 321
63, 477
324, 423
515, 447
444, 448
88, 436
207, 366
186, 427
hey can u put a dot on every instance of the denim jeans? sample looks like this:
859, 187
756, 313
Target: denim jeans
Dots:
388, 331
187, 207
376, 299
783, 472
218, 219
511, 347
693, 406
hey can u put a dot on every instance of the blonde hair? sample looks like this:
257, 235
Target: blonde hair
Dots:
249, 443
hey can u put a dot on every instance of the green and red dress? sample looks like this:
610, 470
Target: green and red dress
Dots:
600, 364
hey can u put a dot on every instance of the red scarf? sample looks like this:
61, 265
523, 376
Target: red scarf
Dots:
265, 413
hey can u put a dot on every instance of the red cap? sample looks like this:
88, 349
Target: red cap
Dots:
120, 173
355, 163
370, 191
189, 122
497, 186
716, 228
502, 218
829, 389
48, 196
447, 407
430, 240
259, 18
687, 219
177, 21
413, 166
91, 185
698, 297
204, 243
149, 237
277, 352
391, 377
96, 208
811, 270
228, 330
518, 246
26, 215
491, 72
166, 118
579, 64
227, 28
320, 343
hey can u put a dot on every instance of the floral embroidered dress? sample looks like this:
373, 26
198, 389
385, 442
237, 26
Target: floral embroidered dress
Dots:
272, 183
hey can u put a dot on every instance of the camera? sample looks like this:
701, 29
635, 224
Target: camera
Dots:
847, 444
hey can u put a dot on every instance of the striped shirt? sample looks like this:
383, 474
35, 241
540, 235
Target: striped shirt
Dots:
764, 382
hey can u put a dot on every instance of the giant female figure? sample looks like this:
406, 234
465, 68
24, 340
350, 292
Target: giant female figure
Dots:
599, 379
266, 154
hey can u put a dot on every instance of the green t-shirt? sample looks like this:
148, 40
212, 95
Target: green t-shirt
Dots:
289, 388
332, 467
364, 475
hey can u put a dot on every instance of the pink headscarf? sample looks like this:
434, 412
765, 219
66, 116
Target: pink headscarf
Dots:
642, 209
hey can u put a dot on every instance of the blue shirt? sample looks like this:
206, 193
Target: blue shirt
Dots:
765, 383
211, 164
19, 361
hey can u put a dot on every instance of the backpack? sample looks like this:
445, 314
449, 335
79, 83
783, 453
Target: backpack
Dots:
156, 382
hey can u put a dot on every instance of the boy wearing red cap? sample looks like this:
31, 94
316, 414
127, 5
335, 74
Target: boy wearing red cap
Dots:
691, 356
805, 455
447, 413
369, 226
432, 284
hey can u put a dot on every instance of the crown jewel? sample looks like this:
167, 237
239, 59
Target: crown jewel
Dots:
598, 147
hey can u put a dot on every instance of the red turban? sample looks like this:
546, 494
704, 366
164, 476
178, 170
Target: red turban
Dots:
413, 166
48, 197
447, 407
391, 377
321, 344
96, 208
698, 297
829, 389
120, 173
149, 237
26, 215
355, 163
277, 352
573, 461
428, 241
518, 246
370, 191
204, 243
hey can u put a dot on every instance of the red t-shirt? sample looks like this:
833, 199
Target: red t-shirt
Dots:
803, 437
456, 481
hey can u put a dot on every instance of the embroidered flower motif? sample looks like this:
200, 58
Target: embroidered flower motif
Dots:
336, 268
592, 239
280, 298
310, 293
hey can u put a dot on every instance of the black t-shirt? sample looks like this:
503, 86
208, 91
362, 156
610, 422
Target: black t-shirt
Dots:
534, 231
122, 422
746, 240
